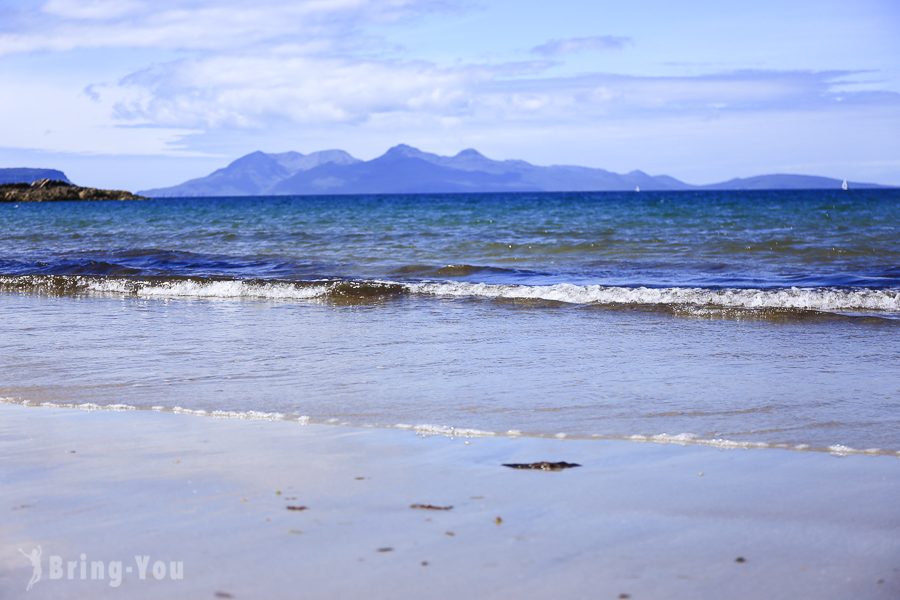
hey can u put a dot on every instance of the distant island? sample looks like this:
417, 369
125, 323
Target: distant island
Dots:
401, 170
404, 169
18, 185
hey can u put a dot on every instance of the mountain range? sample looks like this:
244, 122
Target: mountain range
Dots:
404, 169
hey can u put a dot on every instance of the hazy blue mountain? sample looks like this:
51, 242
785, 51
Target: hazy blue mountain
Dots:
404, 169
400, 170
407, 169
25, 175
254, 174
294, 161
784, 181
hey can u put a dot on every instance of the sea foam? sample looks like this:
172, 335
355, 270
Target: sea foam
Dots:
820, 299
428, 430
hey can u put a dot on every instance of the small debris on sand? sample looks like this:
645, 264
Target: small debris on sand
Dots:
385, 549
449, 533
430, 507
624, 596
740, 559
292, 507
359, 478
542, 466
424, 563
223, 595
498, 521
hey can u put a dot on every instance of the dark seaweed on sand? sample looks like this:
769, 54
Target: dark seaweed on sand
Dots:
542, 466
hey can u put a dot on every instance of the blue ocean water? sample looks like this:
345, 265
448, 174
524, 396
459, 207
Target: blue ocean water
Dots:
744, 239
743, 317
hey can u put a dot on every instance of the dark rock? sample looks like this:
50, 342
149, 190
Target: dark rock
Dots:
542, 466
430, 507
55, 190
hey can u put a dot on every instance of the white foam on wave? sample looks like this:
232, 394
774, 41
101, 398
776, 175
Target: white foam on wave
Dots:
823, 299
842, 450
426, 430
820, 299
245, 415
690, 439
87, 406
210, 289
248, 415
445, 430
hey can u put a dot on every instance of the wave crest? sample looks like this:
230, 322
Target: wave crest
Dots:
884, 302
813, 299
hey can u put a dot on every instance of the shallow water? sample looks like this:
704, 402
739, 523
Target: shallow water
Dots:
749, 318
458, 363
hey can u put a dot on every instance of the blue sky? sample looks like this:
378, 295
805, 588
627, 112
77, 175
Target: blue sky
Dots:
140, 93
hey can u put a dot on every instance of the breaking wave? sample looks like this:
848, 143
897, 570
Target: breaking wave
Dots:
813, 299
877, 302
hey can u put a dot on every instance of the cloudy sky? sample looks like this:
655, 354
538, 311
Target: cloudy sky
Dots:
141, 93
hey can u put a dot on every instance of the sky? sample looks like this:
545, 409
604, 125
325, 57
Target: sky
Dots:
145, 93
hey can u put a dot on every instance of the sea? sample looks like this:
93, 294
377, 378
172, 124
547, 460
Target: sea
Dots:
733, 319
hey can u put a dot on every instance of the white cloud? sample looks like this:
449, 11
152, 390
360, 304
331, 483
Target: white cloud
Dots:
193, 25
596, 43
91, 9
61, 118
252, 90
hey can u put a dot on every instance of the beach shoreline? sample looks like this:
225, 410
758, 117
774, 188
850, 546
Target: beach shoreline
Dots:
281, 509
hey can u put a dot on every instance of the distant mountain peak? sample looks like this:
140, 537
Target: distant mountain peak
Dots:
295, 161
403, 150
290, 154
470, 153
256, 157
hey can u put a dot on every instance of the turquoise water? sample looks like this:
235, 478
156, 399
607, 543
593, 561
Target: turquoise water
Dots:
752, 318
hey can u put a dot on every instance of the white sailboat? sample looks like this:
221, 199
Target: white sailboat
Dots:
637, 188
844, 185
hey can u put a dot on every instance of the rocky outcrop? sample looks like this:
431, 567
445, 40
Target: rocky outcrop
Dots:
51, 190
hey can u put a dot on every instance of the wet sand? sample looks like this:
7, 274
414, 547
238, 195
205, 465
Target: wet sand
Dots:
257, 509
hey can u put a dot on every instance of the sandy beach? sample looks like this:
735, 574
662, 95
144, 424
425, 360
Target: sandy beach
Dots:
257, 509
